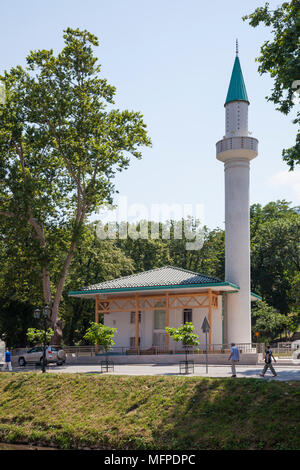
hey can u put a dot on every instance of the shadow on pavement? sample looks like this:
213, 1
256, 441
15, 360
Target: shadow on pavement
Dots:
281, 374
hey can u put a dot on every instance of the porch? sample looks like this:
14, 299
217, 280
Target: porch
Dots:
164, 307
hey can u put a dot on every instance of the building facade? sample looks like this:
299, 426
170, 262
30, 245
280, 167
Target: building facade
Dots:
140, 306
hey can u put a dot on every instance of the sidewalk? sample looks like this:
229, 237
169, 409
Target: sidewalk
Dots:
285, 373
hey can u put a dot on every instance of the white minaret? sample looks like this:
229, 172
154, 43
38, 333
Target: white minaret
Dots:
236, 149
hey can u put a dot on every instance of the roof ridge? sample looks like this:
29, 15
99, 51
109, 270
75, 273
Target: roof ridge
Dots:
152, 270
130, 275
192, 272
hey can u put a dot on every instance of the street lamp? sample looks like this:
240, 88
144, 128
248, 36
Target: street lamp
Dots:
45, 315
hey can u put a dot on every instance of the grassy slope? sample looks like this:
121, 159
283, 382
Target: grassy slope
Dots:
123, 412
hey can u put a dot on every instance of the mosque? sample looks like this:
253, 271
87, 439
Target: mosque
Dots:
141, 305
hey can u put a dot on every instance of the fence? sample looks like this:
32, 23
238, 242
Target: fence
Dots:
78, 351
286, 350
280, 350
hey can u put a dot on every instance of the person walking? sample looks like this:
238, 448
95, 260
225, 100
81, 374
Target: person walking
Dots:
7, 363
234, 357
268, 362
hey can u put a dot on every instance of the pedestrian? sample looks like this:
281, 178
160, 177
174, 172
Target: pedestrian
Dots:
268, 362
7, 363
234, 357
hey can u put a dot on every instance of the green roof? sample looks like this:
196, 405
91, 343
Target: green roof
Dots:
167, 277
237, 89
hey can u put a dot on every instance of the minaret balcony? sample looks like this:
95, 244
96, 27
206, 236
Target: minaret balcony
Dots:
237, 148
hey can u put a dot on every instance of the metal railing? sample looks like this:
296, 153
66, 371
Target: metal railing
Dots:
238, 142
280, 350
89, 351
285, 350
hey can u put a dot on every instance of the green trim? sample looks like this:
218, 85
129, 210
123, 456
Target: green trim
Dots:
256, 295
132, 289
251, 293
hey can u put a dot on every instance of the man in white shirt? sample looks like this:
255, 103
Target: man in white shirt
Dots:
234, 357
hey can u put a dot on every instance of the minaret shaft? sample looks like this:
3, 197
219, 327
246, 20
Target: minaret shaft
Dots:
236, 150
237, 249
236, 119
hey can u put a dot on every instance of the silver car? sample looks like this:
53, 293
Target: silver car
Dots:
35, 356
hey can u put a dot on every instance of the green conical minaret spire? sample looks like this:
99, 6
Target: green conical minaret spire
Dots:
237, 89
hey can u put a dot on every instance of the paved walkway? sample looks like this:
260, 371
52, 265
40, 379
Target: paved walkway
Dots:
285, 372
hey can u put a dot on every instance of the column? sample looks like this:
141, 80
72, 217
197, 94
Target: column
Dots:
210, 317
137, 326
167, 321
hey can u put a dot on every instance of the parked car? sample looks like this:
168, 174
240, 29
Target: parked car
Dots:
35, 355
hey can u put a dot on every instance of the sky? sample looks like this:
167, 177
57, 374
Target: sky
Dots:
172, 61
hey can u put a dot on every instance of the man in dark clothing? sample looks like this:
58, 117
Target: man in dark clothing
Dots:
268, 362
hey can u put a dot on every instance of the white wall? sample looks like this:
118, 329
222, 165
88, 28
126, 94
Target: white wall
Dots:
121, 321
126, 330
236, 118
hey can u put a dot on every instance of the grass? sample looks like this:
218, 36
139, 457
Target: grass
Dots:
124, 412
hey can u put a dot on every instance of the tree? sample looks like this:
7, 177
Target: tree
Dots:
94, 261
150, 253
275, 255
184, 334
267, 321
19, 278
60, 147
274, 210
101, 335
281, 59
15, 318
37, 336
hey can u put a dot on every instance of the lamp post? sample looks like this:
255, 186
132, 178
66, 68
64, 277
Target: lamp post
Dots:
45, 315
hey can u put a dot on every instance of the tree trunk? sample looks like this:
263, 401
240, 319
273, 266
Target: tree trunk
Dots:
58, 331
56, 324
47, 287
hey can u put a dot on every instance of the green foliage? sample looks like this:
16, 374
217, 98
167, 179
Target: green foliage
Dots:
15, 318
94, 261
267, 321
161, 251
101, 335
275, 254
36, 336
280, 58
184, 334
61, 144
